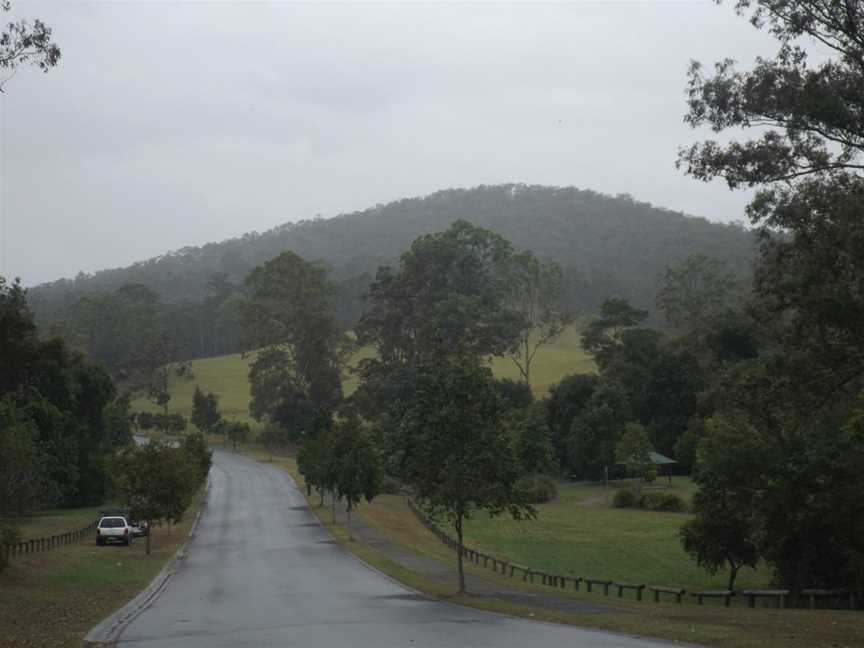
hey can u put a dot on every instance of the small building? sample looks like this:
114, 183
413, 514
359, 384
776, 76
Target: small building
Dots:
660, 461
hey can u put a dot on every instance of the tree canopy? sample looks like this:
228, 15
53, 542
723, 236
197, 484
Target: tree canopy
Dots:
783, 442
458, 455
296, 376
22, 43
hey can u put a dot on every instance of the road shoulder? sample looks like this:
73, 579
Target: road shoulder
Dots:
108, 631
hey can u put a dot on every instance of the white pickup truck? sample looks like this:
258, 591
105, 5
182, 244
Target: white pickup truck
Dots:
114, 528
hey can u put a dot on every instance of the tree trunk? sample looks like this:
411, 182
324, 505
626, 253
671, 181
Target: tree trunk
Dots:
333, 505
321, 494
201, 333
460, 550
149, 532
348, 511
733, 572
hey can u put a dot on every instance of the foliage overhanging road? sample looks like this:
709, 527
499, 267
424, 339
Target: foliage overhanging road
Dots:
261, 571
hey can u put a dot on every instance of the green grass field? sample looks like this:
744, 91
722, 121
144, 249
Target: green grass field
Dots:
227, 376
580, 534
55, 521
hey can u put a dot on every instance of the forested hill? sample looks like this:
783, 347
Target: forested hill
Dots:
606, 245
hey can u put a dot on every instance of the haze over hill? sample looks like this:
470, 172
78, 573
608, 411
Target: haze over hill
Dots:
606, 245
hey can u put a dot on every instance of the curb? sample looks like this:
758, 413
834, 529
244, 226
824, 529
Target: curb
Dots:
108, 631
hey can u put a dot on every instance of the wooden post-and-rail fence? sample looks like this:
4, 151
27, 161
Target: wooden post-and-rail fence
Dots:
830, 598
48, 543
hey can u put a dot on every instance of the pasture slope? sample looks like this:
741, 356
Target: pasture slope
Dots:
228, 376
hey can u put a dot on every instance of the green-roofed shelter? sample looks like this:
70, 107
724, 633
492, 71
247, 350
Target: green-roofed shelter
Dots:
660, 460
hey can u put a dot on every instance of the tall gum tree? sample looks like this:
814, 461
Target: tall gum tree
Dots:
23, 43
289, 318
806, 163
805, 160
535, 294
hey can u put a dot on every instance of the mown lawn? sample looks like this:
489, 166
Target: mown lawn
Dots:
580, 534
228, 376
54, 521
52, 599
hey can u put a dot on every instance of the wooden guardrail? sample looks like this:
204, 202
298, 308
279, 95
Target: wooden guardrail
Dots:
48, 543
813, 595
676, 592
534, 576
626, 586
605, 584
779, 596
726, 595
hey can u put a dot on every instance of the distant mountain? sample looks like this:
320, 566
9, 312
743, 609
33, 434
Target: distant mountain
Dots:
606, 245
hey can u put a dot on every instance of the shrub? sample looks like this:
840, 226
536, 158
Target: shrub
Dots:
538, 489
662, 502
624, 498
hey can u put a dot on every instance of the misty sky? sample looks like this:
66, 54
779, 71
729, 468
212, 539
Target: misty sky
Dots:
174, 123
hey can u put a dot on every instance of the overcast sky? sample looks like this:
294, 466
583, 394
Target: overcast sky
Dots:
174, 123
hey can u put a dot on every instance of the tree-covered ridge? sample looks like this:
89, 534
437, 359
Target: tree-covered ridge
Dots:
604, 245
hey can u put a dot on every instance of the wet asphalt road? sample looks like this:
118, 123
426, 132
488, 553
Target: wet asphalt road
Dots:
260, 571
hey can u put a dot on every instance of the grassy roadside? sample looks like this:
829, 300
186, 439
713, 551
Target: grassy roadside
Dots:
52, 599
709, 626
54, 521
